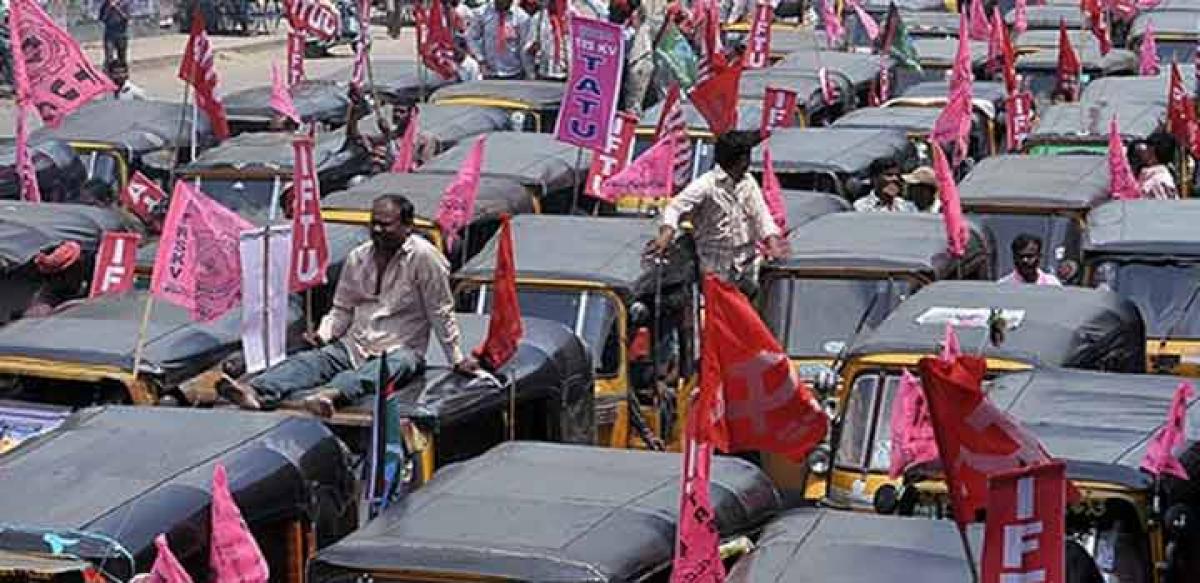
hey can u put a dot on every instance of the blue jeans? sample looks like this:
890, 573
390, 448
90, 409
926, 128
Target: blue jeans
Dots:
330, 367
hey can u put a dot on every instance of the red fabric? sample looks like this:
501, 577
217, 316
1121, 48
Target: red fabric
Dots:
1010, 64
1122, 183
166, 568
310, 248
1026, 525
957, 232
673, 123
758, 42
1068, 61
650, 175
912, 431
960, 73
141, 196
1148, 53
995, 54
697, 541
198, 69
1181, 113
505, 328
772, 191
1098, 23
1020, 18
778, 110
1019, 109
405, 153
616, 153
435, 41
501, 32
951, 349
716, 99
234, 556
1162, 453
974, 437
56, 261
750, 399
980, 29
116, 261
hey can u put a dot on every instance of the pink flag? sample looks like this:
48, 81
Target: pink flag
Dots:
404, 162
772, 191
995, 52
913, 441
828, 91
1148, 53
166, 567
960, 73
834, 31
1122, 184
26, 171
234, 555
980, 28
50, 71
457, 206
954, 123
1020, 19
1019, 108
1162, 453
198, 266
295, 56
281, 96
957, 233
951, 349
868, 23
651, 175
310, 248
697, 553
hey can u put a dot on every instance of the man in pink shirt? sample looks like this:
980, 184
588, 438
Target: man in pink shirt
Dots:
1027, 261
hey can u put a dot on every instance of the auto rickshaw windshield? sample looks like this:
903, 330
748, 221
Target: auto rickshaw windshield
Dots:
1060, 235
243, 196
592, 316
864, 443
1166, 294
832, 309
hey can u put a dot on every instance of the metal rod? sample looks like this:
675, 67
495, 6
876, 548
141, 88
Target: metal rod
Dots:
575, 179
141, 337
966, 545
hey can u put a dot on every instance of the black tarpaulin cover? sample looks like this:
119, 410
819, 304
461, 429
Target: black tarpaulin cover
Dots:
1165, 229
910, 119
914, 242
271, 151
1088, 122
322, 101
27, 228
396, 80
537, 95
451, 124
60, 172
749, 116
535, 160
548, 513
805, 205
136, 126
495, 195
1068, 182
838, 150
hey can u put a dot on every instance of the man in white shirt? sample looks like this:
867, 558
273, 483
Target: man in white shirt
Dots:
885, 195
1027, 260
497, 37
126, 90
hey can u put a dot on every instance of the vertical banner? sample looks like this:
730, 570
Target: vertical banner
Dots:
310, 249
115, 263
1026, 516
265, 255
697, 541
614, 156
778, 110
590, 102
759, 54
1020, 119
142, 197
295, 56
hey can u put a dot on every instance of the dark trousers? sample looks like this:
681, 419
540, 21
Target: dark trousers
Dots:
329, 367
116, 47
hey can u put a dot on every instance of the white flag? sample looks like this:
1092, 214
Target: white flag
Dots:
265, 295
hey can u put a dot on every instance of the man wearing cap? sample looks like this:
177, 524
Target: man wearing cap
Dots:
63, 278
921, 188
728, 213
885, 190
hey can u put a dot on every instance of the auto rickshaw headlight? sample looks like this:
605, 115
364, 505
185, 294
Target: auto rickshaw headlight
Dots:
516, 119
1105, 275
818, 459
1067, 269
1178, 521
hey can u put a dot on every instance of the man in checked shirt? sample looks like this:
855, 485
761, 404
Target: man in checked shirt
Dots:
729, 216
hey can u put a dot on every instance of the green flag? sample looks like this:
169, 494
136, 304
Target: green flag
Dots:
675, 54
897, 43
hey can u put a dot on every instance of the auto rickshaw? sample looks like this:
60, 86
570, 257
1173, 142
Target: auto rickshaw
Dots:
551, 171
917, 123
85, 501
1153, 90
734, 33
811, 107
879, 8
834, 160
987, 103
60, 171
1149, 251
1082, 128
528, 511
857, 70
1176, 33
495, 196
1048, 16
116, 138
1134, 527
587, 274
396, 81
936, 56
810, 545
1043, 327
27, 229
1047, 196
323, 102
1037, 60
921, 25
532, 105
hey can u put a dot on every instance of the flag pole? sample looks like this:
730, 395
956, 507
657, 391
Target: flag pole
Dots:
420, 69
195, 116
575, 178
966, 544
139, 347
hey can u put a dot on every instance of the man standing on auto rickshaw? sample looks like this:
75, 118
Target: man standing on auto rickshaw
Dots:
393, 290
728, 213
497, 37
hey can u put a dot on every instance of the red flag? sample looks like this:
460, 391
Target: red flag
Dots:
116, 261
457, 207
1163, 451
828, 91
975, 438
358, 73
1010, 65
434, 40
310, 248
141, 197
319, 18
716, 99
51, 73
996, 54
198, 69
295, 57
979, 28
912, 431
1026, 525
772, 192
954, 123
1019, 108
651, 175
1020, 18
166, 568
616, 153
405, 152
504, 325
234, 555
753, 398
1122, 184
672, 123
758, 54
198, 265
961, 74
712, 58
1148, 53
1068, 61
697, 541
1098, 22
1181, 113
864, 18
281, 97
31, 191
834, 31
778, 110
957, 233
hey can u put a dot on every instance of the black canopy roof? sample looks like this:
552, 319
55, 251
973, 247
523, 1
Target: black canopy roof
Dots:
1116, 62
135, 126
940, 52
396, 80
840, 150
1048, 16
1088, 122
749, 116
1164, 228
1054, 182
833, 546
549, 513
910, 119
806, 205
533, 159
1132, 89
857, 69
451, 124
1054, 326
894, 242
26, 228
906, 7
60, 171
991, 92
1178, 24
496, 195
606, 250
316, 100
270, 153
536, 95
130, 473
807, 86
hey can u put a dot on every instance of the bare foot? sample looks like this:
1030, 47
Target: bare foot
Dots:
319, 405
239, 394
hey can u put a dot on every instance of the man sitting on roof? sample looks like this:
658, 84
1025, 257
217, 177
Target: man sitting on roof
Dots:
1027, 260
393, 290
885, 189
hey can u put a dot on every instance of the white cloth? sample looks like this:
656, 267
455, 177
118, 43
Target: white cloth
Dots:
468, 69
871, 203
128, 92
1156, 182
1043, 279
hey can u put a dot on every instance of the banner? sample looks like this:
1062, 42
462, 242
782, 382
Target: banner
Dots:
697, 541
1019, 109
758, 54
590, 102
310, 250
116, 261
615, 155
295, 57
435, 42
778, 110
321, 19
142, 197
651, 175
1026, 522
265, 261
50, 70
